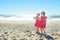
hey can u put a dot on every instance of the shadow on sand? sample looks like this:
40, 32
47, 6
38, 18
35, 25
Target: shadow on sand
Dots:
48, 37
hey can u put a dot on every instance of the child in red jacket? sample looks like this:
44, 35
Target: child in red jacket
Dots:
43, 22
36, 24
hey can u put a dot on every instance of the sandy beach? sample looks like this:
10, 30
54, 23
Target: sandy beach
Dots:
24, 30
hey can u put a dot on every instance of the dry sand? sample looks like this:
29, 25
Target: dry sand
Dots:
24, 30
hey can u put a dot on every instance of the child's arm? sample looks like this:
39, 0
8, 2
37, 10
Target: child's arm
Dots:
37, 18
45, 21
34, 17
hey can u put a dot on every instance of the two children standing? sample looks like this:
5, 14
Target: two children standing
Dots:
40, 22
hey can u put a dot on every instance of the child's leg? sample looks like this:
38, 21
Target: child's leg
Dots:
41, 30
37, 29
44, 31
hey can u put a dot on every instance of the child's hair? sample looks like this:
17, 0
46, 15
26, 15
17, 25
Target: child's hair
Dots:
38, 13
43, 12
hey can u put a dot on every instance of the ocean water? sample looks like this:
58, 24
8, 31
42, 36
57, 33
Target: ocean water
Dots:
13, 17
25, 17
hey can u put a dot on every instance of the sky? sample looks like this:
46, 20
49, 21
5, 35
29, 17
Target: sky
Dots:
29, 7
